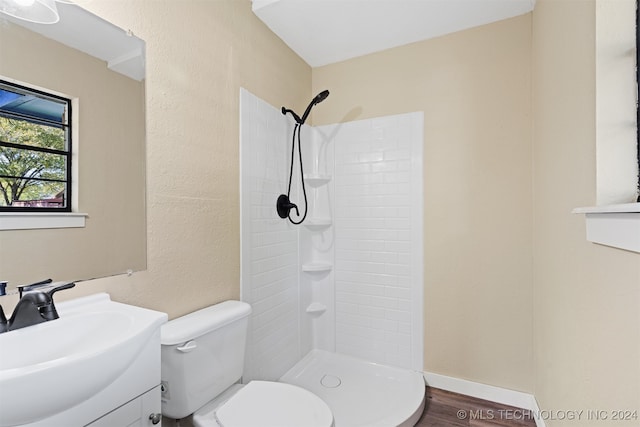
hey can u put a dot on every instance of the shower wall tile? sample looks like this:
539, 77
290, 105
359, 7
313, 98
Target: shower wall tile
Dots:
373, 295
269, 262
378, 231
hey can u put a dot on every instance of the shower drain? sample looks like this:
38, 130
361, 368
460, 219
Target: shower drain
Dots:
330, 381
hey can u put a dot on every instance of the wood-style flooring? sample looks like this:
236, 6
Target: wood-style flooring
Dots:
447, 409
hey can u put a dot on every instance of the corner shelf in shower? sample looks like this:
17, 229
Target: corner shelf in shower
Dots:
316, 267
316, 180
318, 223
316, 308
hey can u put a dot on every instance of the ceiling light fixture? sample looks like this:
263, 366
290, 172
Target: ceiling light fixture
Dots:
38, 11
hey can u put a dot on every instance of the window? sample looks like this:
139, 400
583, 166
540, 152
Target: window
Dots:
615, 221
638, 94
616, 111
35, 150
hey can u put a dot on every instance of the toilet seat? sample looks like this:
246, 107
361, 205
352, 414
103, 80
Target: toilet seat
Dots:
268, 404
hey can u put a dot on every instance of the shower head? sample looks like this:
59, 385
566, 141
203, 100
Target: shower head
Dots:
318, 99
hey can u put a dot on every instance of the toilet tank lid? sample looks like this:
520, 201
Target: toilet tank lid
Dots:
198, 323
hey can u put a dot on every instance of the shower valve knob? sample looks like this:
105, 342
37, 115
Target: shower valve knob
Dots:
284, 205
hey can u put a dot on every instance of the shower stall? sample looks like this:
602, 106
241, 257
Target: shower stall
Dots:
340, 294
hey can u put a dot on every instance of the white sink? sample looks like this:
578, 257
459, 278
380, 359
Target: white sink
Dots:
48, 368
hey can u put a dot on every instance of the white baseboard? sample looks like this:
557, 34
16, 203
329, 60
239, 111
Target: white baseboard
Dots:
487, 392
536, 410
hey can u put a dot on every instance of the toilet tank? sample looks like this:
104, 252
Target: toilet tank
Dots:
202, 355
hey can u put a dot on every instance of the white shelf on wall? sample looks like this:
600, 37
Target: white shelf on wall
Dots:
316, 267
316, 180
37, 220
613, 225
318, 223
316, 308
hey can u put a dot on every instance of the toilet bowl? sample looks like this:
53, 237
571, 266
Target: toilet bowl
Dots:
202, 361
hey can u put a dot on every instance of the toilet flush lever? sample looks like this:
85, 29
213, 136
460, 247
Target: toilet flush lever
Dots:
189, 346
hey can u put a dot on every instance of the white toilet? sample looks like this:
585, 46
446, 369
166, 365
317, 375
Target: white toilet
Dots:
202, 362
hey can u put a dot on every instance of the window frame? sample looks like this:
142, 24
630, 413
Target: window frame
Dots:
638, 94
67, 153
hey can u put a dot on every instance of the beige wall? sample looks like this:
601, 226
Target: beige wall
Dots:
514, 294
586, 296
474, 87
109, 153
199, 54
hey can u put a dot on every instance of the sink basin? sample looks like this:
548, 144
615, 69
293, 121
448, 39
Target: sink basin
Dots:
48, 368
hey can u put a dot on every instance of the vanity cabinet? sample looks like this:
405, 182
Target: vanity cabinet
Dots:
143, 411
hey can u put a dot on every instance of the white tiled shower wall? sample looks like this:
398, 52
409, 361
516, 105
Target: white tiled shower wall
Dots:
373, 294
269, 259
378, 238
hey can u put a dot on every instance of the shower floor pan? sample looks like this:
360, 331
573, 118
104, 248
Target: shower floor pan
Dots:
361, 393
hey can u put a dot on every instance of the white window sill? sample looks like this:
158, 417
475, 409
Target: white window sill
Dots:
613, 225
37, 220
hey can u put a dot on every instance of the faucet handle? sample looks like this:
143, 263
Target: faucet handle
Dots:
49, 291
60, 288
33, 286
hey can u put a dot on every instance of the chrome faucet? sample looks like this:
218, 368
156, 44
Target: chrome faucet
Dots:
34, 307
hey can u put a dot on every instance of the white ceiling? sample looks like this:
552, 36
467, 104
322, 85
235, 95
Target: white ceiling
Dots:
326, 31
86, 32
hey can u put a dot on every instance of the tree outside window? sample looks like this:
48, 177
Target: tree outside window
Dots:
35, 150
